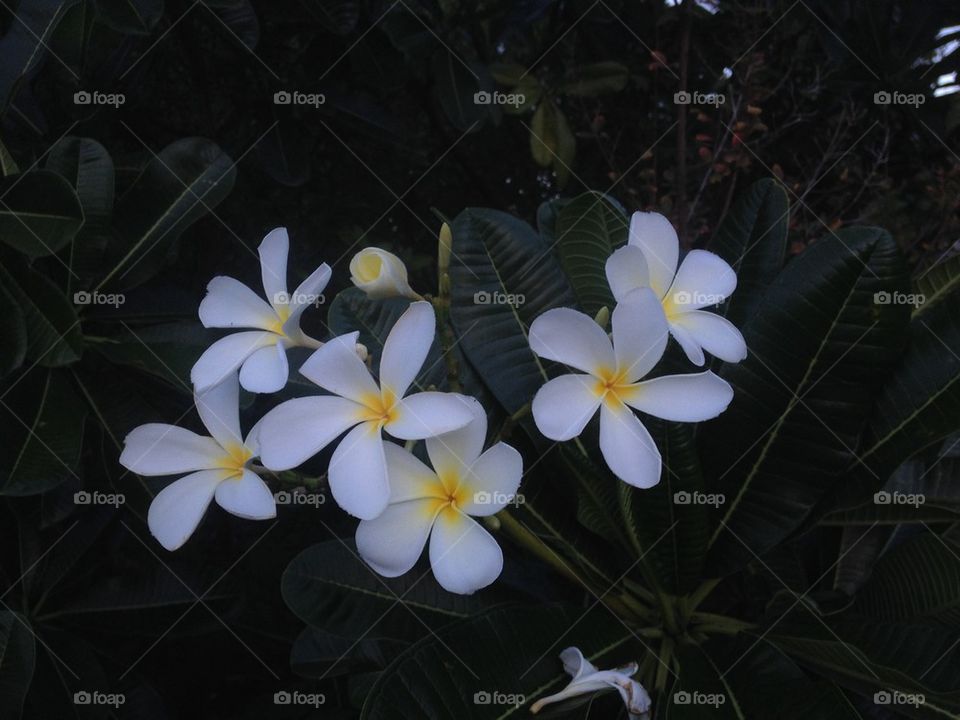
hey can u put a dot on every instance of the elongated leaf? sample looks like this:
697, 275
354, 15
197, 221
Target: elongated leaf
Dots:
470, 669
463, 91
42, 420
330, 588
497, 259
8, 166
701, 690
52, 327
131, 17
240, 19
39, 212
589, 229
17, 659
919, 405
918, 580
25, 42
13, 330
819, 348
316, 653
552, 144
937, 283
185, 181
753, 239
595, 79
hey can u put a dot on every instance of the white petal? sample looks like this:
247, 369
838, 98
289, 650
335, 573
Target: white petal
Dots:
703, 279
564, 406
219, 409
572, 338
298, 429
358, 472
308, 293
409, 478
393, 542
226, 355
177, 509
455, 451
247, 496
493, 480
683, 398
715, 334
463, 555
273, 264
426, 414
575, 664
229, 304
627, 446
640, 334
266, 371
627, 270
406, 348
159, 449
654, 234
337, 368
691, 348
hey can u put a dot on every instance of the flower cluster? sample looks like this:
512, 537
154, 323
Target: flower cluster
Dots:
402, 502
655, 300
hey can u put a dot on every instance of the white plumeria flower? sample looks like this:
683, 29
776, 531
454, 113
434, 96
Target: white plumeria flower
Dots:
650, 260
380, 274
261, 353
588, 679
438, 504
564, 405
218, 467
298, 429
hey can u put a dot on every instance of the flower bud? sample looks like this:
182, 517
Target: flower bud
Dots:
380, 274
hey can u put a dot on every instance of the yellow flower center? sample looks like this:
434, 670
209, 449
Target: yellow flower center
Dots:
283, 314
380, 409
368, 267
451, 495
612, 388
234, 461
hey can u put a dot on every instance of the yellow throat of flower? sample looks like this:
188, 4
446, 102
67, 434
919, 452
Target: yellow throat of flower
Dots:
612, 388
379, 408
234, 461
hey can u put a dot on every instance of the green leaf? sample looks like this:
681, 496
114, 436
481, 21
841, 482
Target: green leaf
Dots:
39, 212
701, 690
589, 228
820, 347
330, 588
551, 141
919, 580
595, 79
937, 283
239, 17
507, 650
17, 660
497, 258
317, 653
753, 240
8, 166
130, 17
42, 419
919, 404
13, 330
52, 327
460, 90
185, 181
